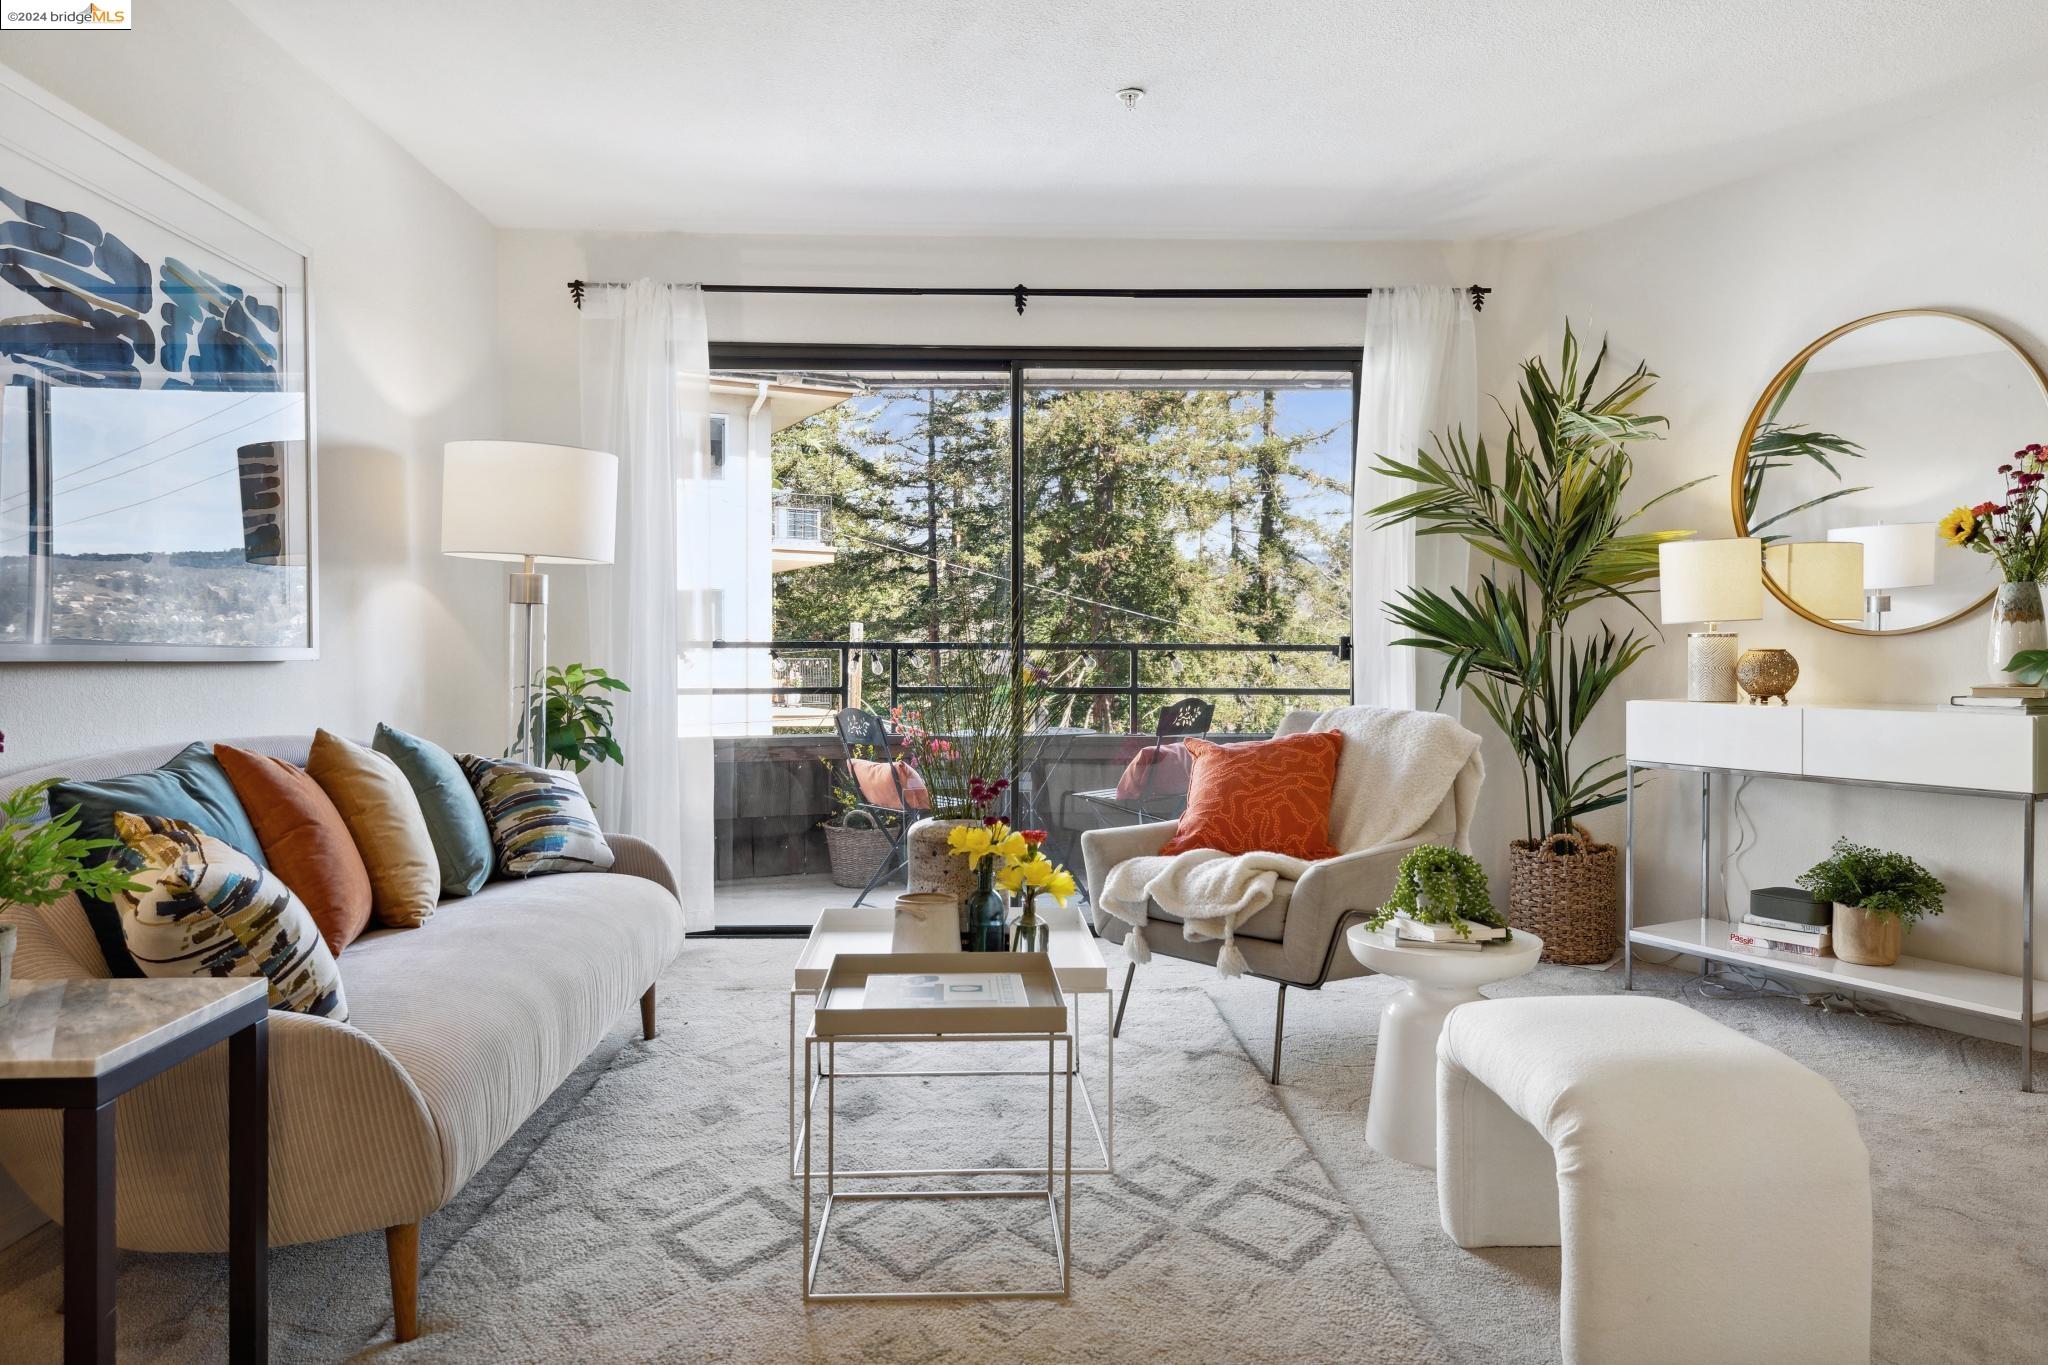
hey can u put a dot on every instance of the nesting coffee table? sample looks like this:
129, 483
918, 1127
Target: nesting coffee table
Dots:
1077, 964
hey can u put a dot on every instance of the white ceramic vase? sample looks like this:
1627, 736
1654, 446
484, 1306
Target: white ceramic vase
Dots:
2016, 624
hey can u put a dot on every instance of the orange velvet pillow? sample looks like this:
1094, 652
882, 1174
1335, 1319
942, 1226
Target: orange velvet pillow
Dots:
1269, 796
304, 840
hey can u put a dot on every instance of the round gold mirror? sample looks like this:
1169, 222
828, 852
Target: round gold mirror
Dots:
1861, 445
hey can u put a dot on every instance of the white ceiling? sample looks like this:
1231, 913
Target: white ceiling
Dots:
1282, 118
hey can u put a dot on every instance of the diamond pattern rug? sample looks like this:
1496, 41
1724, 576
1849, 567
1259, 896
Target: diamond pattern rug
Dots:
645, 1214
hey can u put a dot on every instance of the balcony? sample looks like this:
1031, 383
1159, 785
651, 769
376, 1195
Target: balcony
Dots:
802, 536
773, 792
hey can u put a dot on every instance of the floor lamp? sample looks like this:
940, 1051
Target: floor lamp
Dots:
528, 504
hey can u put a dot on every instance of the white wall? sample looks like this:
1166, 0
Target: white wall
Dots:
1717, 292
404, 303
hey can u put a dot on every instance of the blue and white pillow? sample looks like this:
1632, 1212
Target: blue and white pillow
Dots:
539, 818
202, 908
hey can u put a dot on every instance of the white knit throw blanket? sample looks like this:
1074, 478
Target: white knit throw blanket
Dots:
1393, 772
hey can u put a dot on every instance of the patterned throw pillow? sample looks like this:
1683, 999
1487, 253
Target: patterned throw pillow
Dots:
1270, 796
540, 820
206, 909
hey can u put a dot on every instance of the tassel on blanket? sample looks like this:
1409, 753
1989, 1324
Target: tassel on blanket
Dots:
1135, 947
1230, 962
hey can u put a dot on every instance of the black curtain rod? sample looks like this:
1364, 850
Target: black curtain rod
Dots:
1021, 294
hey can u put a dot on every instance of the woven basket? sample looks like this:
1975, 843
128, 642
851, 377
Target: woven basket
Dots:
1567, 899
856, 854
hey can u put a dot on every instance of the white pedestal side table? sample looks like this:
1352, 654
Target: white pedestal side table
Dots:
1401, 1122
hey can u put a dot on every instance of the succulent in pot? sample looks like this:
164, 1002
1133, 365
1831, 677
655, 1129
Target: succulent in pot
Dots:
1877, 897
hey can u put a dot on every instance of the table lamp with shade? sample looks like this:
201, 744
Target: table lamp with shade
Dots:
1823, 578
528, 504
1895, 555
1710, 581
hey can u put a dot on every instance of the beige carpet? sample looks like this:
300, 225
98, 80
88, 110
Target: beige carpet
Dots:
646, 1215
641, 1215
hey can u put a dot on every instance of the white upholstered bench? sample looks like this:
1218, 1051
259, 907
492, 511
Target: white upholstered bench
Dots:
1711, 1195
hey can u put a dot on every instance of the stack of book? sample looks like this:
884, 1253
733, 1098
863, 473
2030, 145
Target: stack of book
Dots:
1407, 933
1783, 936
2004, 698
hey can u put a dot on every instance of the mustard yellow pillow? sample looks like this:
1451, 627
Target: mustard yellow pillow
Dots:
383, 817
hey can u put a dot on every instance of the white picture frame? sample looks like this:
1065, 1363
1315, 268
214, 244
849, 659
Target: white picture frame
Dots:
140, 420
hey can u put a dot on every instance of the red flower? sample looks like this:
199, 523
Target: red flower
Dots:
991, 820
2005, 469
1034, 837
1984, 509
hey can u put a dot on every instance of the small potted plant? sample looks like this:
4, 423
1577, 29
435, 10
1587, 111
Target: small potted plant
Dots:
855, 842
1877, 897
44, 860
1441, 886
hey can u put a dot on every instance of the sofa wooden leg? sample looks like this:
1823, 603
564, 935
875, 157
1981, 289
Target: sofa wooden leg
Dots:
647, 1014
402, 1249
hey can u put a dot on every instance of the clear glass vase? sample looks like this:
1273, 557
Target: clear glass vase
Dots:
2016, 624
1029, 933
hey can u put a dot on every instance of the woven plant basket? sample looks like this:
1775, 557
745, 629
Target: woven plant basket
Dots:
855, 853
1563, 890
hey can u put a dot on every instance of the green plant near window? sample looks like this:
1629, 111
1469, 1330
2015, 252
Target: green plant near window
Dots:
575, 709
1874, 880
1438, 885
42, 860
1551, 521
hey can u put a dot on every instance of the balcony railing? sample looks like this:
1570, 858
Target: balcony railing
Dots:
845, 656
803, 519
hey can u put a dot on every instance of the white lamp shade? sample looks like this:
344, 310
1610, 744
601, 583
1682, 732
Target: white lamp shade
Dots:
1900, 555
1711, 580
1824, 577
512, 499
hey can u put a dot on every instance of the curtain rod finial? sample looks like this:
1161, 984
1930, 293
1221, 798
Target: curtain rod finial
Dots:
1479, 293
576, 293
1021, 295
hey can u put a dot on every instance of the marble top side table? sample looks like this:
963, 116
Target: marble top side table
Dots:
1401, 1119
78, 1045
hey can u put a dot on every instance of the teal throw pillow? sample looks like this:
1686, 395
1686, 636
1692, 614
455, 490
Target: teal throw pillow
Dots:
455, 820
192, 788
540, 820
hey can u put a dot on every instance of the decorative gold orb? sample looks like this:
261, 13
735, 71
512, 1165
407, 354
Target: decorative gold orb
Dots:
1767, 675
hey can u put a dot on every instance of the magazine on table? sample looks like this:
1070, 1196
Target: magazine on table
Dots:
943, 990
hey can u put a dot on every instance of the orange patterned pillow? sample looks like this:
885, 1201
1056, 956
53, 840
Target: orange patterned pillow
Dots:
1271, 796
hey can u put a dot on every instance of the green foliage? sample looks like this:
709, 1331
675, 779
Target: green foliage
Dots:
1552, 523
1776, 445
981, 729
1882, 883
1439, 885
2029, 666
576, 713
1149, 515
43, 860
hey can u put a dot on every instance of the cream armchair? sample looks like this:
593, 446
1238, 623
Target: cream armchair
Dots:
1298, 939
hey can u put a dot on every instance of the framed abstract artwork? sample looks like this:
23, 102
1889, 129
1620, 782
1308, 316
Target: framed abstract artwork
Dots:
156, 408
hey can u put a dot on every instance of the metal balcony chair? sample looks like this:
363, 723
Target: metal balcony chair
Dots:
859, 729
1188, 718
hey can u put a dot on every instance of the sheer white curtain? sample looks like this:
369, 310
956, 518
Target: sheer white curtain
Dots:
645, 372
1420, 376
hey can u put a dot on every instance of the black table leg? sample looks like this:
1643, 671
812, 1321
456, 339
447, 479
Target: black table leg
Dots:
89, 1250
249, 1194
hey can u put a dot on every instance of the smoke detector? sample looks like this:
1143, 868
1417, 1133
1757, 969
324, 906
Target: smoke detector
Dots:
1130, 95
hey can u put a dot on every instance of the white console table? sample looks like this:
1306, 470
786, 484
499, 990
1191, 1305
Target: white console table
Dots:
1906, 748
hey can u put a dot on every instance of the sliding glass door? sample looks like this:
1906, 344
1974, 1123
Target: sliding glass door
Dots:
1158, 526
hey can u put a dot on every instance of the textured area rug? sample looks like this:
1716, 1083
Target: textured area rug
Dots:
645, 1214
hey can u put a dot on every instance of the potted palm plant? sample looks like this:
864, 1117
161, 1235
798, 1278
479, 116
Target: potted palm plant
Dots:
1551, 521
